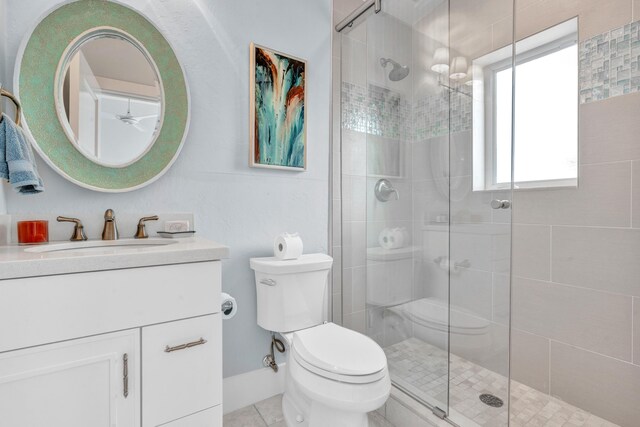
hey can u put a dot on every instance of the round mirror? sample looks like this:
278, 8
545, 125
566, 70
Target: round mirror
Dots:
109, 98
105, 101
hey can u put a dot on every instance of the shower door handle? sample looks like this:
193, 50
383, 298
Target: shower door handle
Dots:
500, 204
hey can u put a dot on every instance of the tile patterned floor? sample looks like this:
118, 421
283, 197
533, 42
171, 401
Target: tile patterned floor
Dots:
268, 413
421, 369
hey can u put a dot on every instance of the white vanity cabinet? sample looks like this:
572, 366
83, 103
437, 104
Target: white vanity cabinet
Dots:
130, 347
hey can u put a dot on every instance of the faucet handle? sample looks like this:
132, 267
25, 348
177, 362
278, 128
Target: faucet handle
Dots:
141, 233
78, 230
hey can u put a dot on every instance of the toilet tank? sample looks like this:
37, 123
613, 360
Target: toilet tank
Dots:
291, 294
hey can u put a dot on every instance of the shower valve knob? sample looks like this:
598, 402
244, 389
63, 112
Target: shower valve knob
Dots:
500, 204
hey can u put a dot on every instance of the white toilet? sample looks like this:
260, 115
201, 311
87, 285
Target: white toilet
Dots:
334, 376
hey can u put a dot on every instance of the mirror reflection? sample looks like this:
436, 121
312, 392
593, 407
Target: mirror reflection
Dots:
112, 100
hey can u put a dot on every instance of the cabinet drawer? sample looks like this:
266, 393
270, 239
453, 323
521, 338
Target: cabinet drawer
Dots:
211, 417
182, 374
41, 310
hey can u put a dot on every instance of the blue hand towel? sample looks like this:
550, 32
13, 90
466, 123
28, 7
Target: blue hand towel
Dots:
17, 163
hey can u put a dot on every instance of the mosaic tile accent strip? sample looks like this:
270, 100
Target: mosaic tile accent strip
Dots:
432, 115
609, 64
376, 111
355, 107
380, 111
421, 369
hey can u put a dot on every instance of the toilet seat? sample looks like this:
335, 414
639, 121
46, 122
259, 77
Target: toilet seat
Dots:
339, 354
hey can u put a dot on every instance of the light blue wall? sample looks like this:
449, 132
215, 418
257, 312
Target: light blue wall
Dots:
234, 204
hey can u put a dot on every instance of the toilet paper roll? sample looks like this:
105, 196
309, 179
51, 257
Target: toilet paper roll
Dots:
287, 246
400, 237
393, 238
228, 306
385, 239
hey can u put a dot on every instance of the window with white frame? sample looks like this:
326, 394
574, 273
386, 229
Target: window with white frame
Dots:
545, 113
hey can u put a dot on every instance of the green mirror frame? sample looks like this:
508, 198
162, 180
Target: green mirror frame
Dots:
36, 77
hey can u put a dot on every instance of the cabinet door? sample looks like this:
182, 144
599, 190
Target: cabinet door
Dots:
78, 383
181, 369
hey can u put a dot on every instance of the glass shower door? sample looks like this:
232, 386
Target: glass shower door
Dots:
480, 194
426, 242
395, 219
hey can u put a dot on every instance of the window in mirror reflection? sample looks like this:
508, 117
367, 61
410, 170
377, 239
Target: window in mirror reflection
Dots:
112, 101
545, 135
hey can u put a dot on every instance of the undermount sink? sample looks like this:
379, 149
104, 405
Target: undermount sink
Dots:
109, 246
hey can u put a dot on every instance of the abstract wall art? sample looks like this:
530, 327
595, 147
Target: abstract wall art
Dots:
278, 110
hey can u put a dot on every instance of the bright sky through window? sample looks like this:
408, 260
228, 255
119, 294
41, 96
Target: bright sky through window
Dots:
546, 119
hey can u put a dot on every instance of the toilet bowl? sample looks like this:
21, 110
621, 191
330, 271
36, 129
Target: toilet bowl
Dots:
334, 376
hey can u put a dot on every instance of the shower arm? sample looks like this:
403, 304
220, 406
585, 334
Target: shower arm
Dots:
452, 88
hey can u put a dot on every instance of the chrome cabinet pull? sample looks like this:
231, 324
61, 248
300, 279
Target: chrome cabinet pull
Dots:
201, 341
125, 375
268, 282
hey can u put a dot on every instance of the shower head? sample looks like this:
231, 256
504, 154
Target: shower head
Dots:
398, 72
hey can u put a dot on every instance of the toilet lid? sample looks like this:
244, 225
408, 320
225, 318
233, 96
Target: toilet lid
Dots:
337, 350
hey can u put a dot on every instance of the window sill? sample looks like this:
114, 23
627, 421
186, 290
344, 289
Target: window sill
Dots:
535, 185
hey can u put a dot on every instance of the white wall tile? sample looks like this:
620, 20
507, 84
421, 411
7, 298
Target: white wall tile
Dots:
609, 130
337, 270
606, 387
356, 321
594, 320
636, 192
354, 198
354, 153
347, 291
598, 258
472, 290
530, 360
603, 198
354, 241
359, 289
595, 16
532, 251
391, 210
501, 298
336, 229
636, 331
485, 247
355, 69
489, 350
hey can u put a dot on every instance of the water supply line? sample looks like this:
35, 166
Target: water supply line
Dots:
269, 361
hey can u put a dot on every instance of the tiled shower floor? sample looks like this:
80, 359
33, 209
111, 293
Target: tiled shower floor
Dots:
421, 369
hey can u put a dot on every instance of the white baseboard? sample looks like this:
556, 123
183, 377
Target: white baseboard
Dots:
251, 387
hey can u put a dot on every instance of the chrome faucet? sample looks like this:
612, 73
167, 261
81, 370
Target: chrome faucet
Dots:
110, 230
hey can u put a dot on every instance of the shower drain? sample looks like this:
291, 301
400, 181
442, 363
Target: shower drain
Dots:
491, 400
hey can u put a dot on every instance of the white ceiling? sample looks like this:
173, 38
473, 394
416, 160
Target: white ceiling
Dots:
119, 60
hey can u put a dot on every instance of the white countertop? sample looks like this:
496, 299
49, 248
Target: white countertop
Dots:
15, 262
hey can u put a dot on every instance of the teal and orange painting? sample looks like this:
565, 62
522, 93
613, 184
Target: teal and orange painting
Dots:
278, 98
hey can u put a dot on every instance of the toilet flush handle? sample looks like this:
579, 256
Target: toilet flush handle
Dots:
268, 282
